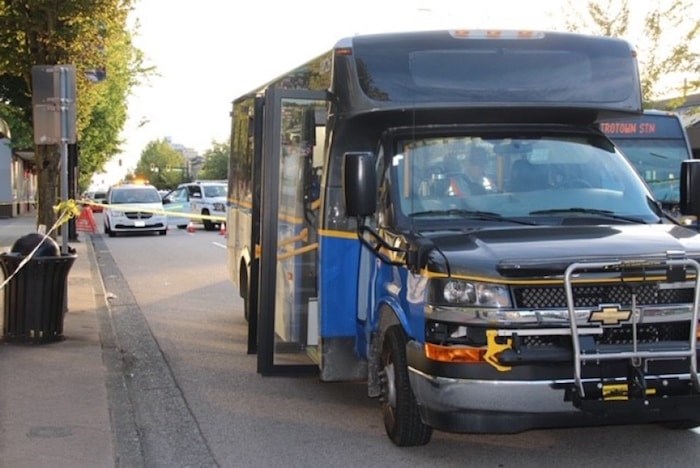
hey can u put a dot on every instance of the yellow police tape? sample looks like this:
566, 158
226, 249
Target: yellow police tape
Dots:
71, 208
140, 208
65, 210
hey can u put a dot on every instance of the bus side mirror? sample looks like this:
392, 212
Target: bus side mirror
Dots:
359, 184
690, 187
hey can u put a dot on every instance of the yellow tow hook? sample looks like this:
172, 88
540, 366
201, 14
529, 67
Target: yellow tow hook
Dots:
493, 348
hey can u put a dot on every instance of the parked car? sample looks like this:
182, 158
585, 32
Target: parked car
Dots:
202, 198
141, 210
96, 197
176, 203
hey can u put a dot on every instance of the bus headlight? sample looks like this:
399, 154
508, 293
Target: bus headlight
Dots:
468, 293
459, 292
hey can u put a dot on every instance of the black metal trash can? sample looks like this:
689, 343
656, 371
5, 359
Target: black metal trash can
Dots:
35, 298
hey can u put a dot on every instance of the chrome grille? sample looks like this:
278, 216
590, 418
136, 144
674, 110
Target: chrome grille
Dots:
543, 340
650, 333
544, 297
137, 215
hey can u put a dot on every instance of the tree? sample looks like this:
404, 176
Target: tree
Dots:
665, 38
215, 165
100, 141
90, 34
162, 165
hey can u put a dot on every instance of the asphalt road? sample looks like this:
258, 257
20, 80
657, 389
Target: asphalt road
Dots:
187, 393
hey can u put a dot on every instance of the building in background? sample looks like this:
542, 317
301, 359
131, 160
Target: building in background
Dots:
18, 179
193, 160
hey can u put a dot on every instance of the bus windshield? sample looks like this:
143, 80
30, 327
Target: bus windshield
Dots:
444, 178
655, 144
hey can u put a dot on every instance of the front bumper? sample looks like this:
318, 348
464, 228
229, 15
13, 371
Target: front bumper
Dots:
151, 224
476, 398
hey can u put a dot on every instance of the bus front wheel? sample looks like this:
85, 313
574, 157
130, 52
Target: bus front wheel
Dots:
246, 308
399, 409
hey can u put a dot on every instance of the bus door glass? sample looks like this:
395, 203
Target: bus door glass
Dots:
292, 160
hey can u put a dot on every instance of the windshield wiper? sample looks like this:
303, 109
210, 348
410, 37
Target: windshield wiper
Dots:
481, 215
604, 213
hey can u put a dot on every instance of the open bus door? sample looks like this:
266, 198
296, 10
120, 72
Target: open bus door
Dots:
292, 155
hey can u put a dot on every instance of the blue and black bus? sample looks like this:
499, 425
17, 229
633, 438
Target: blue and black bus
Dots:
655, 143
439, 215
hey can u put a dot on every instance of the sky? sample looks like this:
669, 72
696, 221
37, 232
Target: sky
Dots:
207, 53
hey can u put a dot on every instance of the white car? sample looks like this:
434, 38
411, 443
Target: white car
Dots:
141, 210
177, 204
99, 196
204, 200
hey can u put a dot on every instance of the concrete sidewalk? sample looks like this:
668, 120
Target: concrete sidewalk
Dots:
54, 407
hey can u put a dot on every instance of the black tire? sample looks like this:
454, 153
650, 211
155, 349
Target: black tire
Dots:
208, 225
182, 226
163, 232
243, 284
109, 232
402, 420
246, 308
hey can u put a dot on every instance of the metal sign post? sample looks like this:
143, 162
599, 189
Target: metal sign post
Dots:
64, 103
54, 112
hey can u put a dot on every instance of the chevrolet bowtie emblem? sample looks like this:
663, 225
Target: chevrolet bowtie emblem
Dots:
610, 315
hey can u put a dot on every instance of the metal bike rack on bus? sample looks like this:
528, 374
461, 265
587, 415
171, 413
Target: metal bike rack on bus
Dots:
635, 354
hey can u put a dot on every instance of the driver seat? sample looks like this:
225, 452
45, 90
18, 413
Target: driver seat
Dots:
525, 176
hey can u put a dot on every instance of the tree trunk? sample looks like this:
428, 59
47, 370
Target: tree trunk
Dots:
48, 158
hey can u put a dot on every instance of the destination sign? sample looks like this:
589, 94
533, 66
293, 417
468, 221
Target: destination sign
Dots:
657, 126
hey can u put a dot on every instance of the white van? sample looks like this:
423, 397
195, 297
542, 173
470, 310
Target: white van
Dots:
134, 208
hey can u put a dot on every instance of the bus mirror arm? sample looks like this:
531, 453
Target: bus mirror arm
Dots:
379, 246
418, 253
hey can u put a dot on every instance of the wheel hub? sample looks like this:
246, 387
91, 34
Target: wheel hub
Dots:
388, 385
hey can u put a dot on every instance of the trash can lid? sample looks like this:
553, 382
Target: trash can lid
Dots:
25, 244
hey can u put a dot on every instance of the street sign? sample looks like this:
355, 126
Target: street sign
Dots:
53, 104
53, 107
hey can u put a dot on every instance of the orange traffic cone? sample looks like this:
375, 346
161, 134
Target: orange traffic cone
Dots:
190, 227
222, 229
